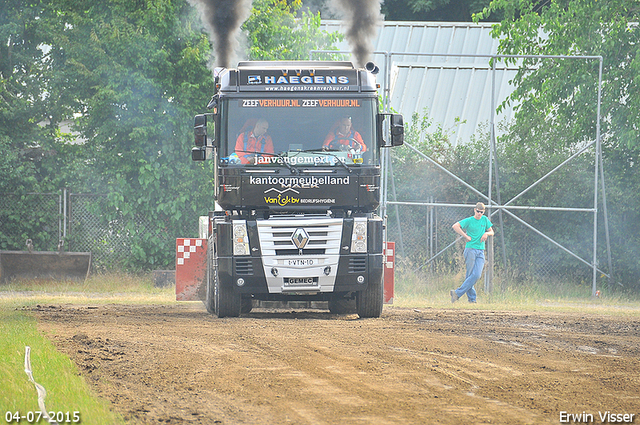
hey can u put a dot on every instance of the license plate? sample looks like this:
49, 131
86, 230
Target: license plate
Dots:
300, 281
301, 262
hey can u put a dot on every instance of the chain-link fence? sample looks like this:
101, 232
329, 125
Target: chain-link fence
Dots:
424, 239
425, 242
85, 222
34, 216
91, 231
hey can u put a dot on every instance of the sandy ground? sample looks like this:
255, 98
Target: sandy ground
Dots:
175, 364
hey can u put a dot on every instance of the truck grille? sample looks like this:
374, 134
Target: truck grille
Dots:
324, 235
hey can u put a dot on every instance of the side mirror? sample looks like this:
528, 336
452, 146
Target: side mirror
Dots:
397, 130
199, 154
200, 130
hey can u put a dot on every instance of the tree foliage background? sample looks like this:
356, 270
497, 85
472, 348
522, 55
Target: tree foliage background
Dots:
129, 75
276, 32
556, 103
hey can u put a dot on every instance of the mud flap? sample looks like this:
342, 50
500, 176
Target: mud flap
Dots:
389, 268
47, 265
191, 269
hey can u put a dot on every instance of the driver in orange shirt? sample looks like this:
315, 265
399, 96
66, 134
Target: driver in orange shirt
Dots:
344, 137
253, 143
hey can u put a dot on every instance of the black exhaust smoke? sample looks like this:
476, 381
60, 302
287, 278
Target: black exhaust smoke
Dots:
222, 19
363, 18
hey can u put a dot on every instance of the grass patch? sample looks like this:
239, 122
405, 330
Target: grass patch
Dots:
105, 283
66, 389
431, 289
100, 288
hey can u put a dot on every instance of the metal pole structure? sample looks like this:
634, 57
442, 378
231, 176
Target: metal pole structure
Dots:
604, 192
595, 190
384, 163
59, 216
552, 241
495, 159
496, 206
449, 173
435, 226
606, 218
599, 164
598, 158
400, 247
387, 82
432, 230
541, 179
64, 228
488, 275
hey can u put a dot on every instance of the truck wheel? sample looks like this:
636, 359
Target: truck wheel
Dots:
227, 302
247, 305
369, 302
339, 305
209, 301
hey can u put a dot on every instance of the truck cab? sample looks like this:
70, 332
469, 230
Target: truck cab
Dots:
296, 147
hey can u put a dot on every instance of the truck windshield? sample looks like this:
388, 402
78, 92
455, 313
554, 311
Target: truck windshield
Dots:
292, 131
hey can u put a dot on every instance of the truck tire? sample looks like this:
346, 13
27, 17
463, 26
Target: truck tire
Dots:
227, 302
209, 301
220, 299
369, 302
247, 306
341, 305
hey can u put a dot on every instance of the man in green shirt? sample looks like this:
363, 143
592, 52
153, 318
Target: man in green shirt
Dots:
475, 230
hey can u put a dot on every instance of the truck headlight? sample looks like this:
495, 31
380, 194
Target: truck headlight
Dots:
359, 235
240, 238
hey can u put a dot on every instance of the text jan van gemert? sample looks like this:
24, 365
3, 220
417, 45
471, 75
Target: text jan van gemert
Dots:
604, 417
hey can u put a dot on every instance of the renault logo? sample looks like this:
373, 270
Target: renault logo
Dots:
300, 238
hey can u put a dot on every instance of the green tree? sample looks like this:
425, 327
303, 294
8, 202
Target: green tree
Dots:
574, 27
35, 155
28, 114
138, 72
275, 33
432, 10
129, 76
556, 100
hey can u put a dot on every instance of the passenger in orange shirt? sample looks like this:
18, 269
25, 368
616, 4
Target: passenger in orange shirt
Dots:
344, 137
254, 143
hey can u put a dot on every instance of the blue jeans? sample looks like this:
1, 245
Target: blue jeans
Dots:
474, 259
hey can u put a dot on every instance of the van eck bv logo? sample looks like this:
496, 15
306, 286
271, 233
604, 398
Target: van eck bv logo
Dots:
281, 200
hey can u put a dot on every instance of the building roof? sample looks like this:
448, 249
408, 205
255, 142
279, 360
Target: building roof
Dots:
451, 78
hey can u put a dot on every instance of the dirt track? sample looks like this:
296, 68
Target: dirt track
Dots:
176, 364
